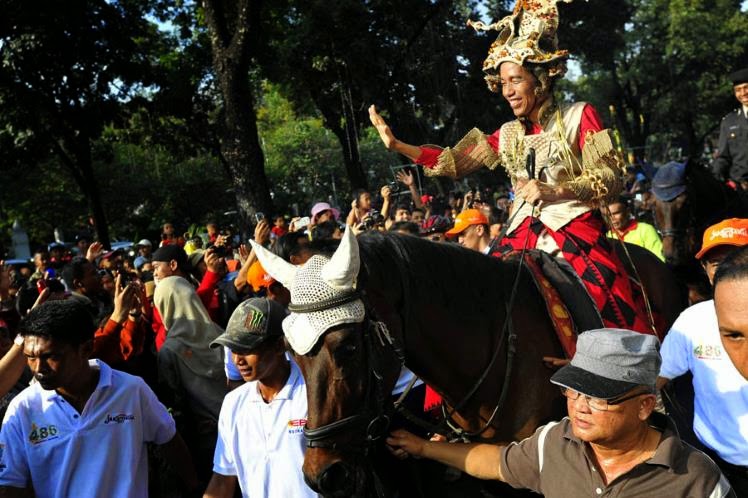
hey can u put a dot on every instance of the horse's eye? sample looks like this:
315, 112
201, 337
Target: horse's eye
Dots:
346, 352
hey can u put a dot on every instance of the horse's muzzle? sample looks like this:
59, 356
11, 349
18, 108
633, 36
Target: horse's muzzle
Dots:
337, 480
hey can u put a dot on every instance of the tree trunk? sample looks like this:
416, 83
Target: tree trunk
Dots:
230, 25
342, 122
351, 157
78, 162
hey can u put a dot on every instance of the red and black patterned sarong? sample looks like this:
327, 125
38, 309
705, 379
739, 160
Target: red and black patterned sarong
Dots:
584, 245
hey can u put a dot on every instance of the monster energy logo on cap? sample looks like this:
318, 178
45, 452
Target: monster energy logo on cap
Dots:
253, 322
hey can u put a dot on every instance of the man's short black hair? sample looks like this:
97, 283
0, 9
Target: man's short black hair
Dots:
289, 244
67, 321
405, 226
733, 267
324, 230
625, 200
498, 216
75, 270
358, 193
325, 247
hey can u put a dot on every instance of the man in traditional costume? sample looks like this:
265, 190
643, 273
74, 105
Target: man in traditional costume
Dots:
578, 169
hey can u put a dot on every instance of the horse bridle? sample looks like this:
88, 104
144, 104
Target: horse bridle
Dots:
374, 417
685, 227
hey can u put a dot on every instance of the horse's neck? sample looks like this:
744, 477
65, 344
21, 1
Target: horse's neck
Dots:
711, 199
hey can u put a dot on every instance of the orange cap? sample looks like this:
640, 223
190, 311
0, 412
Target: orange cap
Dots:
257, 277
465, 219
730, 232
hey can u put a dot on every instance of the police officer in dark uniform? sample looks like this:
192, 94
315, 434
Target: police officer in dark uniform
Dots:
732, 159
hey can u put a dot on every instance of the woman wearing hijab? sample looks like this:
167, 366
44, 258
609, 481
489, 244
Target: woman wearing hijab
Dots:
192, 382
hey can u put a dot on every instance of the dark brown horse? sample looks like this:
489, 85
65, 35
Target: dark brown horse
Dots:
449, 311
683, 219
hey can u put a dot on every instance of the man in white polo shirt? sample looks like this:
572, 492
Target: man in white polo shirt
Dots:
694, 344
261, 440
82, 429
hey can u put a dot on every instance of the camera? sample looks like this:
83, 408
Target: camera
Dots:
373, 220
220, 251
259, 217
394, 187
124, 279
302, 223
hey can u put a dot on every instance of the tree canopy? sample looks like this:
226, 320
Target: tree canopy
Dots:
122, 110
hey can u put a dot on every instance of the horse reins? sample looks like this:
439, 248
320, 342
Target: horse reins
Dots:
377, 419
507, 331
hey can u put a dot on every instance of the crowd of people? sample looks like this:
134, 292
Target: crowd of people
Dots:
163, 371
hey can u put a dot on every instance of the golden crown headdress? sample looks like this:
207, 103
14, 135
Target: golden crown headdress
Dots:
528, 34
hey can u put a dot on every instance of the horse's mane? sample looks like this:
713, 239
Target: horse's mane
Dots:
429, 273
713, 201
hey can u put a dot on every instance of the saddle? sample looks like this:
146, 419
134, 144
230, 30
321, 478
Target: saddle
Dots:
570, 307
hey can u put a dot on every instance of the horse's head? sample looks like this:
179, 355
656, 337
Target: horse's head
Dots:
348, 362
672, 213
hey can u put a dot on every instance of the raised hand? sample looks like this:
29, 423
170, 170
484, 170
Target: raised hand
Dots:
262, 232
4, 280
213, 261
406, 178
385, 133
95, 250
244, 250
125, 299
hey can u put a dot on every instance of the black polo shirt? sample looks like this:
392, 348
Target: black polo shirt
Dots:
555, 463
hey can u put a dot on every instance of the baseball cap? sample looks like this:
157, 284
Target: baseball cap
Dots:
669, 181
195, 257
436, 224
730, 232
110, 254
609, 362
323, 206
139, 262
258, 278
465, 219
144, 242
740, 76
169, 253
253, 322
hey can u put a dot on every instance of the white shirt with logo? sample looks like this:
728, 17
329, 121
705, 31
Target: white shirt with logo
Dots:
100, 452
721, 393
263, 444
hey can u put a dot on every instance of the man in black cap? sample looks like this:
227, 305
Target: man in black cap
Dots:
261, 440
169, 260
611, 444
732, 153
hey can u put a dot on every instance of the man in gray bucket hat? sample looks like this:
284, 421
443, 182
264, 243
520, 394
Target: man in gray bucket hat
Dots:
611, 444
